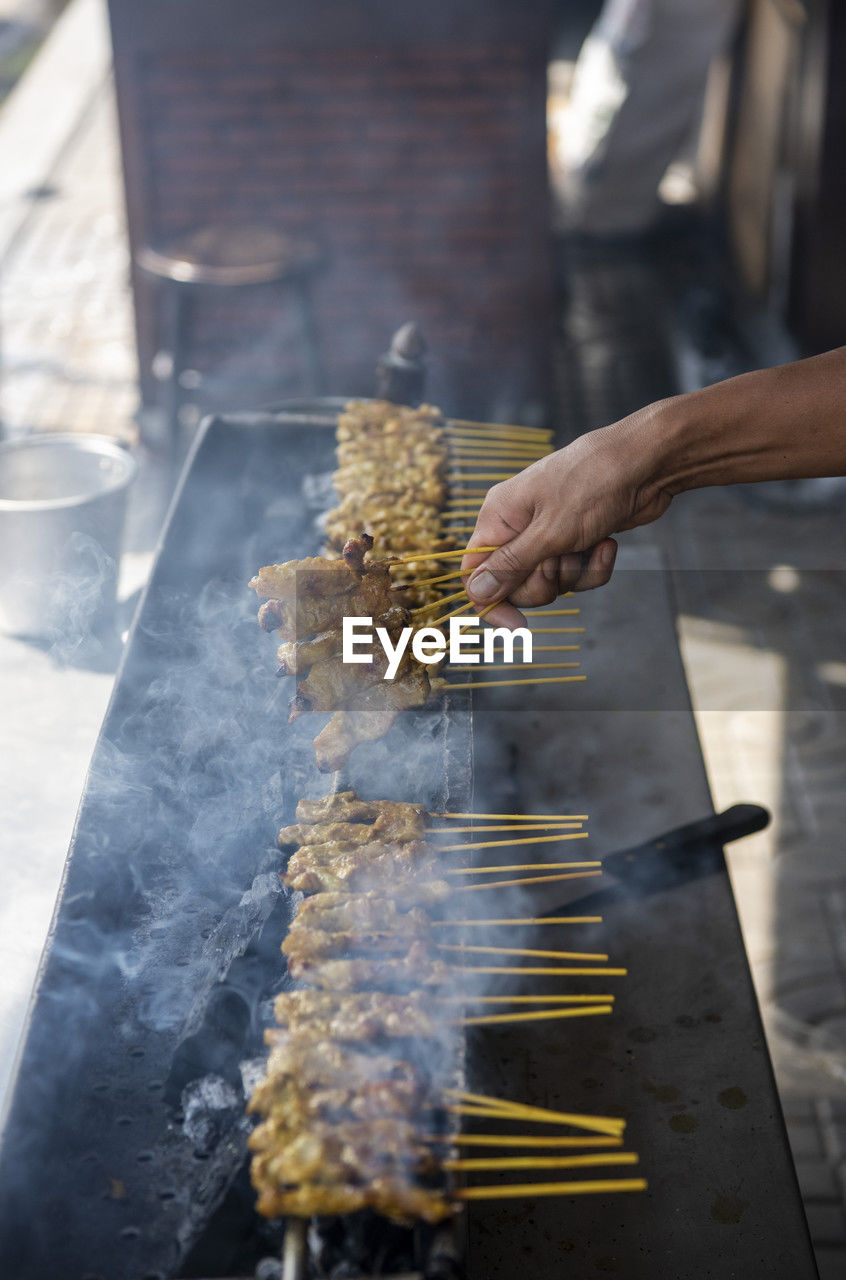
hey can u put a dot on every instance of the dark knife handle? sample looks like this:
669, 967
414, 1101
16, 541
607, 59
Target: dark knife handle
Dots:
732, 824
684, 854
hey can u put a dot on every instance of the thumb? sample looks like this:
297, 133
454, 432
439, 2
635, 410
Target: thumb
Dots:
508, 567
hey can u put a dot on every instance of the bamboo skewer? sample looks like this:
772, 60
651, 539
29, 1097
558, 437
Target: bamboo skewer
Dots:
426, 582
504, 844
441, 555
501, 684
511, 884
526, 1111
599, 1187
539, 1162
520, 866
518, 817
536, 1015
513, 1140
555, 999
459, 445
442, 600
462, 608
512, 666
472, 425
521, 951
551, 613
481, 475
509, 826
529, 920
540, 971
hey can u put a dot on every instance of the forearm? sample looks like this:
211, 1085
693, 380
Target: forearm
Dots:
773, 424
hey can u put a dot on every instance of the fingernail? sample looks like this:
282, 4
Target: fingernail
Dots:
607, 555
483, 585
549, 568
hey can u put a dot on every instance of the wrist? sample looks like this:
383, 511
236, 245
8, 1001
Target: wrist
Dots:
701, 438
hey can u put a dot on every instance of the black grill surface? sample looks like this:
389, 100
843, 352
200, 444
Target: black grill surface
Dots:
125, 1141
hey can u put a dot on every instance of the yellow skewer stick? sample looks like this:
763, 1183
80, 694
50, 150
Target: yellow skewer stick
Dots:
511, 666
509, 444
499, 426
501, 684
612, 1125
603, 1186
498, 454
511, 884
442, 555
514, 1140
512, 826
506, 844
481, 475
436, 622
551, 613
539, 1162
527, 920
568, 999
557, 631
521, 951
520, 866
525, 436
428, 582
539, 971
537, 1015
519, 817
436, 604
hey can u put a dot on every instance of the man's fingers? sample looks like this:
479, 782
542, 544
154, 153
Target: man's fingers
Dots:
597, 567
537, 590
507, 568
505, 615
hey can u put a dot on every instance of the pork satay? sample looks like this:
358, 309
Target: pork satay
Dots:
395, 822
350, 911
351, 1014
316, 868
346, 806
419, 967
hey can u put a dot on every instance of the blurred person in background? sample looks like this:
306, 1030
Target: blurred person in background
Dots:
636, 102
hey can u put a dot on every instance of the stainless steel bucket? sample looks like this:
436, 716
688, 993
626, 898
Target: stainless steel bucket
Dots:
62, 512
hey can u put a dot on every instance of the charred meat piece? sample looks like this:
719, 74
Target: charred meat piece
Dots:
345, 806
306, 614
344, 1152
305, 942
341, 806
415, 969
356, 911
315, 1064
337, 1015
315, 867
393, 1199
313, 576
383, 821
370, 715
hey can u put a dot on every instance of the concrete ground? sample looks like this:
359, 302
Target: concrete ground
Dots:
761, 603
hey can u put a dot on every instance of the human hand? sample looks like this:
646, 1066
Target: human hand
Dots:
552, 523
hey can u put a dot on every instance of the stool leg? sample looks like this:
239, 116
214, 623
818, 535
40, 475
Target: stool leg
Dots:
314, 365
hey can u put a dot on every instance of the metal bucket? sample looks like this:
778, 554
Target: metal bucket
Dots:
62, 512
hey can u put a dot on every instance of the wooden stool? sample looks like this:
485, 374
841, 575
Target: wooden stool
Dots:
232, 258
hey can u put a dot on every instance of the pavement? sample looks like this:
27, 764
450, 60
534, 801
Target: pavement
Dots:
760, 593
